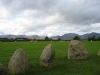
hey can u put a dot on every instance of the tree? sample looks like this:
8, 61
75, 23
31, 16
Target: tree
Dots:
89, 38
59, 39
98, 39
76, 38
47, 38
94, 37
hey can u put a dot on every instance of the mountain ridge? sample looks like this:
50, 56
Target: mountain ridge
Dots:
70, 36
67, 36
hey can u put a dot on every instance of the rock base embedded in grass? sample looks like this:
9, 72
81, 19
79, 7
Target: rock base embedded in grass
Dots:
18, 63
77, 50
47, 58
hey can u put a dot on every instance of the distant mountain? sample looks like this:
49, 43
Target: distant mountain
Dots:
70, 36
67, 36
22, 36
12, 36
89, 35
35, 37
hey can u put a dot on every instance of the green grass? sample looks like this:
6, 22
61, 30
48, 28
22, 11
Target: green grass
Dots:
64, 66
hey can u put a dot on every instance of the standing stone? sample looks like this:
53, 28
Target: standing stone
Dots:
98, 53
3, 70
18, 63
77, 50
47, 58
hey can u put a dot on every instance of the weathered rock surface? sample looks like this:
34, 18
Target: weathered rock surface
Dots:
98, 53
47, 58
18, 63
77, 50
3, 70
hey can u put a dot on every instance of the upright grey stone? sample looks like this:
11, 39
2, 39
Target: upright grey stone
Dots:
98, 53
18, 63
47, 58
77, 50
3, 70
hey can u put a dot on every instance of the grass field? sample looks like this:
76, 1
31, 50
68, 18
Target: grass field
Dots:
64, 66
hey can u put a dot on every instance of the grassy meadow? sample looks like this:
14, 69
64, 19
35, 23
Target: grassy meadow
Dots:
64, 66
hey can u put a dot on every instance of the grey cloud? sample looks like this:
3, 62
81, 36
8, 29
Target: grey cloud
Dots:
79, 14
74, 11
20, 5
83, 12
89, 28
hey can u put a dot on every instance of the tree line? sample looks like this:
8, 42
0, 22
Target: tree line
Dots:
93, 38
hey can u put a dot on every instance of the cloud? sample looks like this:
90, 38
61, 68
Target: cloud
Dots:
4, 13
47, 17
90, 28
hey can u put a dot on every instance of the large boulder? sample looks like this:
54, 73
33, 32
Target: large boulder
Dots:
47, 58
18, 63
77, 50
3, 70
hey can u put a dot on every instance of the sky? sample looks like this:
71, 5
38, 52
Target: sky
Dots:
49, 17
